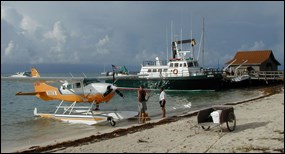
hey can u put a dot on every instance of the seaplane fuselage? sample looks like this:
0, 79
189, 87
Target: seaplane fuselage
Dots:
75, 92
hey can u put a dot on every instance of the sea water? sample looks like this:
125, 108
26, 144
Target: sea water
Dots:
19, 128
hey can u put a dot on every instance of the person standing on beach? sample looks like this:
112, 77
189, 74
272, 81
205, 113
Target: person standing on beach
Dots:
142, 104
162, 101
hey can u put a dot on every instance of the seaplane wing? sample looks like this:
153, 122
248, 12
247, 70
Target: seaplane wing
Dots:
68, 79
44, 79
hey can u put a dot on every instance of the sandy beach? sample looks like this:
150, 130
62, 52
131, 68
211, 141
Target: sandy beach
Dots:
259, 128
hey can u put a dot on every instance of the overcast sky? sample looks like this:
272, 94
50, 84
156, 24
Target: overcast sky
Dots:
88, 35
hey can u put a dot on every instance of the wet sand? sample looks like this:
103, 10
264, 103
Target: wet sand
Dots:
259, 128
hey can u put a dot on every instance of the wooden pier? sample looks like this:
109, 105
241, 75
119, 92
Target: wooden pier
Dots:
256, 75
267, 75
254, 78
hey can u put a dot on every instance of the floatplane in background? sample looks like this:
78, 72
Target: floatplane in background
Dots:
75, 90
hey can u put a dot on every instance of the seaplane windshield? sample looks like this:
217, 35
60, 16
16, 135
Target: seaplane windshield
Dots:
88, 81
69, 86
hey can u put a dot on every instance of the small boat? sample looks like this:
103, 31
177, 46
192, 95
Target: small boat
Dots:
117, 71
22, 74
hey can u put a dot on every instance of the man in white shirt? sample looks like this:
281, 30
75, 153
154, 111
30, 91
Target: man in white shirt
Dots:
162, 101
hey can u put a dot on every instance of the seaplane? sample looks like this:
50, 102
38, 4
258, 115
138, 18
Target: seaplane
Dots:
73, 91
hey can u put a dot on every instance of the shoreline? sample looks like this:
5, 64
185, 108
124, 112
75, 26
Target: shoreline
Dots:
126, 131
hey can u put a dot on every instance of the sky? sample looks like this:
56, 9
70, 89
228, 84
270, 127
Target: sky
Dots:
88, 36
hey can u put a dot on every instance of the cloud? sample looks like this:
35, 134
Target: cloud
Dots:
11, 15
58, 35
257, 45
88, 33
102, 46
29, 25
9, 49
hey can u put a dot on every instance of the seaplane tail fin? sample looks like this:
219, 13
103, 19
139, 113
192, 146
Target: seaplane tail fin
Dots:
40, 86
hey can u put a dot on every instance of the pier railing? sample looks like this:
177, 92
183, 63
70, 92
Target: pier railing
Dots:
258, 75
267, 75
155, 63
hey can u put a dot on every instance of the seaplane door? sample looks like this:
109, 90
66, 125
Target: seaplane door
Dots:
78, 87
71, 88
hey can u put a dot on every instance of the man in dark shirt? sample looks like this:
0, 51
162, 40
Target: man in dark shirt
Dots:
142, 104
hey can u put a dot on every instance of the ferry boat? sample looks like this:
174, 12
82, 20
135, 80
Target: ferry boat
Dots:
181, 72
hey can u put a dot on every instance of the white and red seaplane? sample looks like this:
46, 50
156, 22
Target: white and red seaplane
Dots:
73, 91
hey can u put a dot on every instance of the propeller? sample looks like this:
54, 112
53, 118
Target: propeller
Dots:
116, 90
119, 93
110, 88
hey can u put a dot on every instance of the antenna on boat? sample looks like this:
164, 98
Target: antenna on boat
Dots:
203, 43
192, 53
199, 50
166, 45
180, 32
171, 35
181, 40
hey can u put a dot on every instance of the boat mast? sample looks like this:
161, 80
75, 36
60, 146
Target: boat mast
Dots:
191, 41
180, 44
172, 43
203, 44
166, 45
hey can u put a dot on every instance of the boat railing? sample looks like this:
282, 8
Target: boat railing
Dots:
267, 74
155, 63
213, 71
183, 73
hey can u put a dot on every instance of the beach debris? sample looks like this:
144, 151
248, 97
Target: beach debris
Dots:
141, 141
34, 147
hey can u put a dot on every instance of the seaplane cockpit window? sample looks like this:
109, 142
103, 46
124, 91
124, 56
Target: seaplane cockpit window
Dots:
77, 85
176, 65
171, 64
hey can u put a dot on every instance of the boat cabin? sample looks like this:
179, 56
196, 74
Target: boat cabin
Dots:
174, 68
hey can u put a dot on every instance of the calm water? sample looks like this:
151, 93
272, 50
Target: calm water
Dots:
20, 128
